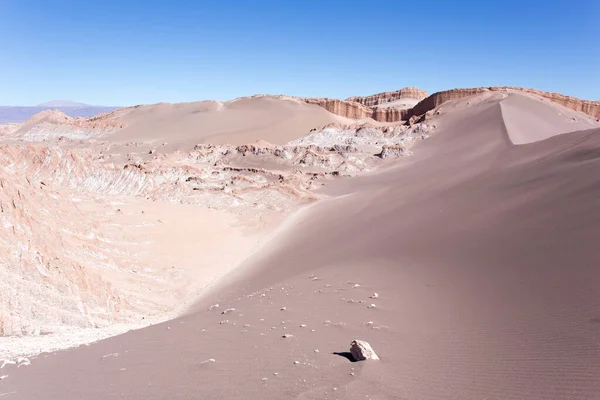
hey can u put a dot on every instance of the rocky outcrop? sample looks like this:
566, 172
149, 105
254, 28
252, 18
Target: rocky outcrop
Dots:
354, 110
362, 350
393, 150
348, 109
52, 124
365, 107
591, 108
371, 106
386, 97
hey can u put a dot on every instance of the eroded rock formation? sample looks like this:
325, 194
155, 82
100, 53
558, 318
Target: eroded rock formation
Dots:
386, 97
591, 108
371, 106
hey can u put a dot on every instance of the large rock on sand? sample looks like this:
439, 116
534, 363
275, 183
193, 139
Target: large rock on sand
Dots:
362, 350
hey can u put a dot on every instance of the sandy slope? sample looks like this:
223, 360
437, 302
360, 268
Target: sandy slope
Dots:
483, 253
274, 119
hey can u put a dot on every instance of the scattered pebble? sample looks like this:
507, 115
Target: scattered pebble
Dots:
296, 362
203, 330
316, 350
246, 325
355, 286
213, 306
351, 373
275, 373
224, 322
3, 377
227, 311
375, 296
287, 335
264, 379
302, 326
371, 306
21, 361
283, 308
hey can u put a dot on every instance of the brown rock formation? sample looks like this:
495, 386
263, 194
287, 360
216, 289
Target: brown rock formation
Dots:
348, 109
354, 110
386, 97
591, 108
366, 107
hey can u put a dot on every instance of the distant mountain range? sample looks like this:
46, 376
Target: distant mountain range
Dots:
63, 103
10, 114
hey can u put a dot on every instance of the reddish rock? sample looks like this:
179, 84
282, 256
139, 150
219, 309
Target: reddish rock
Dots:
386, 97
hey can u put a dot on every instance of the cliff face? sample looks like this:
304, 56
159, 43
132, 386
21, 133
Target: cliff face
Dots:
386, 97
591, 108
367, 107
354, 110
348, 109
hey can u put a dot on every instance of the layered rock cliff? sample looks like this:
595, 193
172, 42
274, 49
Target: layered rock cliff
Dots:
354, 110
345, 108
371, 106
387, 97
591, 108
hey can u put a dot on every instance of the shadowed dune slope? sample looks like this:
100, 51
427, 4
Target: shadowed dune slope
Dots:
484, 255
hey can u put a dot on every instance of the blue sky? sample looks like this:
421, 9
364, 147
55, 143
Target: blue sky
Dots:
131, 52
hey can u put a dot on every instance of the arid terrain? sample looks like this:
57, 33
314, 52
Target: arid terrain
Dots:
233, 250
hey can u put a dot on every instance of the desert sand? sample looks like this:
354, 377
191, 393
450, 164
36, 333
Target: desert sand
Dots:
469, 263
275, 119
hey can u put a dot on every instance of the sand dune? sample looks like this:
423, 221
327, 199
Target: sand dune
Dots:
274, 119
483, 252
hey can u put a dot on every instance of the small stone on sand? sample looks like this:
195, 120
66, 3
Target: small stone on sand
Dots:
362, 350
